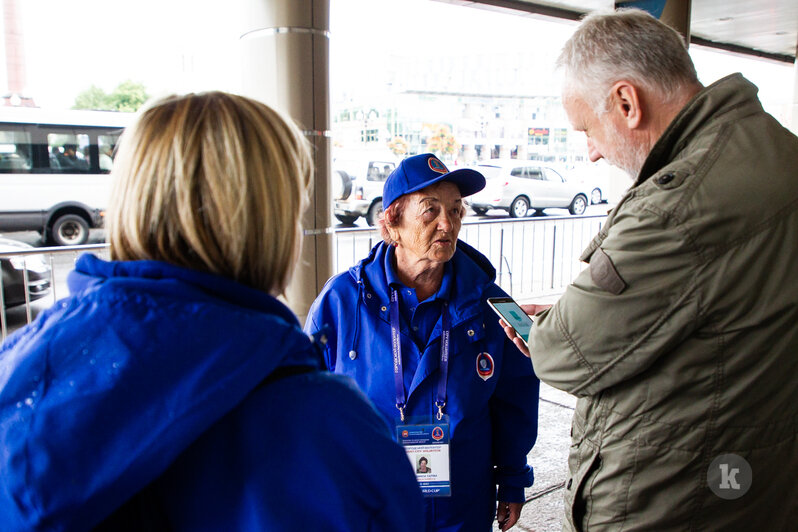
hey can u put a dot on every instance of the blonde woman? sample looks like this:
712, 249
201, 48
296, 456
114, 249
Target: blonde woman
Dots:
171, 390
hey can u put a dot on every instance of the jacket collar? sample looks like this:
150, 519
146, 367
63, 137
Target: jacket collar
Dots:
728, 99
469, 276
393, 281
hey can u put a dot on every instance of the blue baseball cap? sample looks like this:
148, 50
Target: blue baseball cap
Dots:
421, 171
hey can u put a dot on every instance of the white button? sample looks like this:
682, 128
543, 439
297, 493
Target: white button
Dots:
383, 308
368, 296
415, 328
470, 332
352, 355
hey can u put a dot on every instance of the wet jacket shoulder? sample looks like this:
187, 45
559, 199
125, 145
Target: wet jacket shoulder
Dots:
680, 335
150, 377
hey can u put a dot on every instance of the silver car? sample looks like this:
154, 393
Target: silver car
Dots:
14, 269
518, 186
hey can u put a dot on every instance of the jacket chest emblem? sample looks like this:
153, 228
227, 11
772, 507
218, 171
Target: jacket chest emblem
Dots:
485, 366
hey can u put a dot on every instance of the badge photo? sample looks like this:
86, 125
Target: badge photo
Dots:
485, 366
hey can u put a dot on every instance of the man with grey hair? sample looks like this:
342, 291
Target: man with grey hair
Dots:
681, 337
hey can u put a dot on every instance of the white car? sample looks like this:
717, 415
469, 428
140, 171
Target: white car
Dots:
518, 186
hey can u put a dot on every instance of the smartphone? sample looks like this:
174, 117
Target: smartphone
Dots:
513, 315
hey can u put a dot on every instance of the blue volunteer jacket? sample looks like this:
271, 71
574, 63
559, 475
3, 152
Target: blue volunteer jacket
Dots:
493, 422
155, 376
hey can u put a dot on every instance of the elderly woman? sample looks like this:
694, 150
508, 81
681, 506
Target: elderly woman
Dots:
410, 324
172, 390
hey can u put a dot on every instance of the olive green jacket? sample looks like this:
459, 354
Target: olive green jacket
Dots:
681, 337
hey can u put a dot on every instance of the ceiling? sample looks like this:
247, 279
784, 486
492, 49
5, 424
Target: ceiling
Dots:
764, 28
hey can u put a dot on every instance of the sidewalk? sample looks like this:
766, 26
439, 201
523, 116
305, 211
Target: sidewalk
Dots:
543, 511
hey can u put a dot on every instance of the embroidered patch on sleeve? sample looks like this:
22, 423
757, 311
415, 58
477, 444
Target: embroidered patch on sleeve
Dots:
604, 274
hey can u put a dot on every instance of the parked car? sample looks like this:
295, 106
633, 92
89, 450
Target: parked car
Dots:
518, 186
14, 271
357, 189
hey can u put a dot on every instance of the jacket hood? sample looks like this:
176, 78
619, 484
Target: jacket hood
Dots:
108, 387
473, 275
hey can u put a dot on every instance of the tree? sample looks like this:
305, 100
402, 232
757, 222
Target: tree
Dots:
398, 146
92, 98
442, 142
128, 96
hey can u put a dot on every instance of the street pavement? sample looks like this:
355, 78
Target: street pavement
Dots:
543, 511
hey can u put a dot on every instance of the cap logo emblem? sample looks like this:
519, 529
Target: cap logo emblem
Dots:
437, 166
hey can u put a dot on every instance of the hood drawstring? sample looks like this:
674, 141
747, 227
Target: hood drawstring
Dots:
353, 352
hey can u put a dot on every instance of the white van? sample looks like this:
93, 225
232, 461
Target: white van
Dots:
357, 187
54, 168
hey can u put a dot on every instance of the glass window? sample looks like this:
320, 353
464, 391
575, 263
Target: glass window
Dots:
517, 172
533, 172
553, 176
107, 145
69, 152
15, 151
379, 170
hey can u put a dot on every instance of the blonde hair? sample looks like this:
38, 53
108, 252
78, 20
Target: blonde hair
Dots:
213, 182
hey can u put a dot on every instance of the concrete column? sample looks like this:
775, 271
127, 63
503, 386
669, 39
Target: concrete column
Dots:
285, 52
793, 126
674, 13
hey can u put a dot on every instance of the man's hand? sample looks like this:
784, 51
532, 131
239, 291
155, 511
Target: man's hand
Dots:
510, 332
507, 514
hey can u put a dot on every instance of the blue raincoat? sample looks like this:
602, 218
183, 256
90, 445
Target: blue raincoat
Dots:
158, 379
493, 421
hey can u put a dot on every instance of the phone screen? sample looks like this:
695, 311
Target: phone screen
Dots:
513, 315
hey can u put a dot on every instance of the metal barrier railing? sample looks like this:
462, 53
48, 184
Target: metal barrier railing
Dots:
59, 261
533, 257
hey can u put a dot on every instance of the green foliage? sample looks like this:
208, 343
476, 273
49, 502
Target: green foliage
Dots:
92, 98
128, 96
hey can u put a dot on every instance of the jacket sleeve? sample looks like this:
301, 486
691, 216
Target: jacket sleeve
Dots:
319, 320
637, 300
514, 413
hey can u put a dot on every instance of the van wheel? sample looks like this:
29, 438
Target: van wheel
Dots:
374, 211
70, 230
519, 207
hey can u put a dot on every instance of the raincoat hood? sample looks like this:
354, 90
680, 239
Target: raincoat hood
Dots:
83, 429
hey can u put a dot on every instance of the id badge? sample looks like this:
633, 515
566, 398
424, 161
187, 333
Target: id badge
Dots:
427, 447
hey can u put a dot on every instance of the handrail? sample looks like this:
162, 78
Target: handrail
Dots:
533, 257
